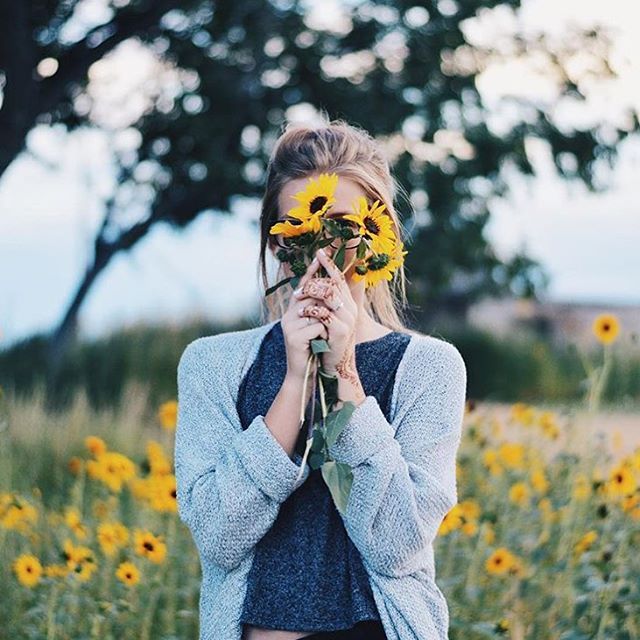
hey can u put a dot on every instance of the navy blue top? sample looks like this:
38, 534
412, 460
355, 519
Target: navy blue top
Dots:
307, 575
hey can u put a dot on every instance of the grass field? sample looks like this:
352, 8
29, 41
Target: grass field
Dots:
541, 544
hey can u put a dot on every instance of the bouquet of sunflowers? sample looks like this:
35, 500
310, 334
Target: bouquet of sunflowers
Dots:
378, 255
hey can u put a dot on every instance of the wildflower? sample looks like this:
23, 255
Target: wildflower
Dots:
162, 493
79, 559
112, 468
512, 454
17, 514
73, 521
28, 569
606, 328
500, 561
112, 536
519, 493
128, 573
622, 481
95, 445
168, 414
585, 542
149, 546
159, 463
522, 413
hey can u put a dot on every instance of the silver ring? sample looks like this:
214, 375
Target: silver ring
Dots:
341, 303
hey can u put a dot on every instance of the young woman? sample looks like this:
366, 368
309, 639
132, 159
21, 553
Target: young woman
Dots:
279, 561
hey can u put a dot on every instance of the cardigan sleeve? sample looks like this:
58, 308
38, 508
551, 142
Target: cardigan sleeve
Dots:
404, 474
230, 482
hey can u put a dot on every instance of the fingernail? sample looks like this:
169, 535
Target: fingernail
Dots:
297, 291
322, 251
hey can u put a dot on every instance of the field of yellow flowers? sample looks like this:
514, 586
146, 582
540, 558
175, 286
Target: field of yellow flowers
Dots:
540, 545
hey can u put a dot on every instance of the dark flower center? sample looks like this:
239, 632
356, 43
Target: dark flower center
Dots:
317, 203
371, 226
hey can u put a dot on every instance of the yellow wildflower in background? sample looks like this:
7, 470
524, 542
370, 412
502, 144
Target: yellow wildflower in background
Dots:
95, 445
149, 546
451, 521
28, 569
80, 560
523, 413
112, 468
168, 414
112, 536
500, 561
606, 328
512, 455
549, 425
539, 481
128, 574
17, 514
519, 493
621, 481
73, 520
585, 542
159, 462
162, 493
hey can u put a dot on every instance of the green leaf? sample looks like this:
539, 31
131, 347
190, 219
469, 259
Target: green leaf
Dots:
270, 290
319, 345
361, 251
338, 477
337, 420
339, 256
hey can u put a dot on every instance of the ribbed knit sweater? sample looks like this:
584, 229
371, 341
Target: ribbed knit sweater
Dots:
232, 482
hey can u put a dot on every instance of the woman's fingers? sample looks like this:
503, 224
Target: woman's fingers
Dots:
308, 274
332, 268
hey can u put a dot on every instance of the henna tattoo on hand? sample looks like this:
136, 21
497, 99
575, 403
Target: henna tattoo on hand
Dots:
346, 368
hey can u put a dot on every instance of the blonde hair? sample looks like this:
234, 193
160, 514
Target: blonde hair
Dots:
350, 151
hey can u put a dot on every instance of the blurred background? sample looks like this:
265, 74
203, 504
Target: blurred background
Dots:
134, 137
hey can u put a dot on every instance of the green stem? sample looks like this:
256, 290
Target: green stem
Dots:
51, 612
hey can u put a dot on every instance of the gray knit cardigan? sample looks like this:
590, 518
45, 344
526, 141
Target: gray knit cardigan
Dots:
231, 482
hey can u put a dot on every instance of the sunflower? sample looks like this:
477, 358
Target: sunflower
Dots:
27, 569
95, 445
128, 574
112, 536
622, 481
380, 266
500, 561
162, 493
168, 414
373, 224
606, 327
149, 546
314, 201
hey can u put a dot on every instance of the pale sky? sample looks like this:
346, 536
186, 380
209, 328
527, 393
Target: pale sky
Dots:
50, 205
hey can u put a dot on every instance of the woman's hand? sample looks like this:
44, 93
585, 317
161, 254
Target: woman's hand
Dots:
334, 306
298, 331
